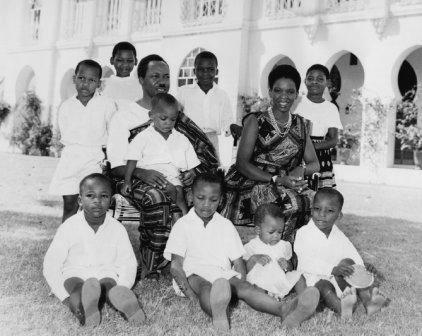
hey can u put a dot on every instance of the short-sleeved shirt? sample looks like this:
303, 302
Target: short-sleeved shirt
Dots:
322, 115
129, 116
85, 125
217, 244
150, 148
122, 88
211, 111
282, 249
318, 254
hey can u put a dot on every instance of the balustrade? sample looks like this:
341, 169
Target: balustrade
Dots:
146, 15
200, 12
75, 18
109, 17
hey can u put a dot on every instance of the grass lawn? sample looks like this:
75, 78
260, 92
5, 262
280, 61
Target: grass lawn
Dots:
393, 246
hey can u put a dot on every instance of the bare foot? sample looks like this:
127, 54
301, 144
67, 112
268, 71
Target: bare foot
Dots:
378, 301
348, 300
306, 305
220, 296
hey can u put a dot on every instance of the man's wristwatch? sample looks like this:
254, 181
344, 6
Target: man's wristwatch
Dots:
274, 179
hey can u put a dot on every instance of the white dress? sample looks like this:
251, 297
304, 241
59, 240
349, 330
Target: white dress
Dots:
271, 277
83, 131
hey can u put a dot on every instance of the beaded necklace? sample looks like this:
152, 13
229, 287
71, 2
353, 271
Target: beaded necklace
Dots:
286, 126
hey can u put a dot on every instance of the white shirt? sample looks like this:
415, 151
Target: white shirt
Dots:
85, 125
282, 249
322, 115
211, 111
129, 116
149, 148
318, 254
216, 244
78, 251
122, 88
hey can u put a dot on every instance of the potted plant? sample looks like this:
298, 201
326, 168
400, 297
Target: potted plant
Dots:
348, 139
408, 132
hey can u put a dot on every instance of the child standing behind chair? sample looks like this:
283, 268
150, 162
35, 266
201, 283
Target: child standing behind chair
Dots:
91, 259
160, 147
83, 122
326, 258
268, 257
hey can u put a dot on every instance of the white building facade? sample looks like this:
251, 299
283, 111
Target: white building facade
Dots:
374, 46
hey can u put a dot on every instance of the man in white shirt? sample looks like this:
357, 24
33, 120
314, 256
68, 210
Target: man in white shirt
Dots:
91, 253
125, 84
326, 258
205, 102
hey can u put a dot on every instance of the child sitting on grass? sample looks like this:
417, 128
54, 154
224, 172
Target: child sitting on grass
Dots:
160, 147
325, 257
206, 261
268, 257
91, 259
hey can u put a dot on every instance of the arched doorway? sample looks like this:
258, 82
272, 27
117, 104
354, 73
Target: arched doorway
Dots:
408, 85
346, 80
26, 81
273, 62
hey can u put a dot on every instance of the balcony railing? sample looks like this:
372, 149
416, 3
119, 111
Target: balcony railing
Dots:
146, 15
275, 9
200, 12
34, 19
75, 12
342, 6
109, 18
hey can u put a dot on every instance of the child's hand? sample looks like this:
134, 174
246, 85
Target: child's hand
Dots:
284, 264
262, 259
342, 271
126, 189
187, 177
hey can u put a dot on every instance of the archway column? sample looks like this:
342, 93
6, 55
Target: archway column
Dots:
378, 131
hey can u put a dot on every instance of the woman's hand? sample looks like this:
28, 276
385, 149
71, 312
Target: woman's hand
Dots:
154, 178
292, 183
298, 173
187, 177
126, 189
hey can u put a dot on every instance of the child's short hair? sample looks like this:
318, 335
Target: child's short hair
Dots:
143, 64
92, 64
165, 98
205, 55
319, 67
284, 71
216, 176
331, 193
270, 209
96, 176
124, 45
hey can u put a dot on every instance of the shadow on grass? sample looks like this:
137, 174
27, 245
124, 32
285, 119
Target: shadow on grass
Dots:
393, 246
51, 203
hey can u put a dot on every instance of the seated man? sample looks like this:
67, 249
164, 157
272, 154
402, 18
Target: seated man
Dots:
158, 212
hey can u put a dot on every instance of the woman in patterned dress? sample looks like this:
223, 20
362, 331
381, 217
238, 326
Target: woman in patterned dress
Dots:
274, 158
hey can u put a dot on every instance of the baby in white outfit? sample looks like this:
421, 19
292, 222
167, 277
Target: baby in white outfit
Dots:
268, 257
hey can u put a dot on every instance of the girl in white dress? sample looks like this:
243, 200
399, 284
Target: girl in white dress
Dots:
83, 121
268, 257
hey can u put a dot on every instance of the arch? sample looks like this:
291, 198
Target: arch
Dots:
25, 81
276, 60
347, 76
186, 74
67, 88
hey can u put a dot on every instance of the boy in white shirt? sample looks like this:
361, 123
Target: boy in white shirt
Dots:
325, 257
83, 124
160, 147
206, 262
91, 258
205, 102
268, 256
123, 86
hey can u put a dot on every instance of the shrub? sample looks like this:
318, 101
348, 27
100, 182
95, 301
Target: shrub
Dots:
4, 110
28, 133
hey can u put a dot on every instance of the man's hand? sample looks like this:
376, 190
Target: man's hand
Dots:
342, 271
126, 189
